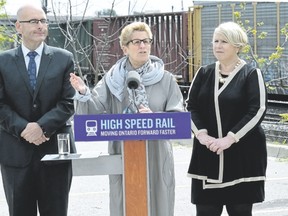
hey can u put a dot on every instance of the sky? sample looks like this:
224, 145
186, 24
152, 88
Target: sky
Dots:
121, 6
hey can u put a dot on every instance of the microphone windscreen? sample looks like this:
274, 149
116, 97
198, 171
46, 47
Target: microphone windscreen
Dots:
133, 80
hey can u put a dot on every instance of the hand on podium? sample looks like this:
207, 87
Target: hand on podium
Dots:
143, 109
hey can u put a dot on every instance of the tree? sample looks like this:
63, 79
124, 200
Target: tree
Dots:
264, 63
107, 13
73, 28
7, 31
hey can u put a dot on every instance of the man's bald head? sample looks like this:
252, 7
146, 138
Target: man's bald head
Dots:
27, 8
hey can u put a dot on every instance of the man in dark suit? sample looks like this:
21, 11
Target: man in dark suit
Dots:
32, 116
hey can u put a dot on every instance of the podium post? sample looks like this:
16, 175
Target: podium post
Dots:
135, 178
135, 130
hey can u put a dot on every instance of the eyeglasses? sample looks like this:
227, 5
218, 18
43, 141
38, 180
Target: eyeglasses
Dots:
35, 21
137, 42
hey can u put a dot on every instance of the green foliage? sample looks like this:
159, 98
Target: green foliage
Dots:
2, 11
262, 62
2, 4
6, 41
284, 117
283, 159
276, 55
7, 38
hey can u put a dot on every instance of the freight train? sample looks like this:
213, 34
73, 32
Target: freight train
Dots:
183, 39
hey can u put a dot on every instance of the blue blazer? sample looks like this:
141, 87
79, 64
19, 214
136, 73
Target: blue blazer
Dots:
50, 104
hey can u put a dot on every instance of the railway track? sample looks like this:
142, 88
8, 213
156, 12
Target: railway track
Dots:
275, 129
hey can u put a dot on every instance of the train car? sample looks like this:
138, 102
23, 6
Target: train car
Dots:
169, 40
268, 17
183, 39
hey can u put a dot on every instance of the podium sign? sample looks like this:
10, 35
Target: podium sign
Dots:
136, 126
134, 129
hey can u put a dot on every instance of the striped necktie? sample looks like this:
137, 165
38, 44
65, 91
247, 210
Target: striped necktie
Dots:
32, 69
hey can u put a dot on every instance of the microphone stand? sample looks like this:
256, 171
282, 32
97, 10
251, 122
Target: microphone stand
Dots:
134, 99
133, 82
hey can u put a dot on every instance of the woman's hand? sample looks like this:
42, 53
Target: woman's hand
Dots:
78, 84
143, 109
220, 144
205, 139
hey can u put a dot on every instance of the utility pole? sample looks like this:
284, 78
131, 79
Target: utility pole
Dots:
44, 6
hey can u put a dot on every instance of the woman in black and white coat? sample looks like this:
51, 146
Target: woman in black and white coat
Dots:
227, 101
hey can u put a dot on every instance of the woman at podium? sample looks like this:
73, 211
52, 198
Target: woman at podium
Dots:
137, 83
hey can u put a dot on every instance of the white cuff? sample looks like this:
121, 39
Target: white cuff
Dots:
234, 136
200, 131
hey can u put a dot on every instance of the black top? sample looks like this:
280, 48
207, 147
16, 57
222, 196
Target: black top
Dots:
237, 108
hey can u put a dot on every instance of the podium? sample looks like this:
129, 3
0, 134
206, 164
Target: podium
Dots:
135, 130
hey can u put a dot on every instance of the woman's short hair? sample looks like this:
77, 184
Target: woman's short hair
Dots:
127, 31
233, 33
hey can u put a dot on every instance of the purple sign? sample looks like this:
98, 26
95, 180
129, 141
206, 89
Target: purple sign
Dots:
137, 126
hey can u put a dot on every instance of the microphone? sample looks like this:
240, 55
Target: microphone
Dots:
133, 82
133, 79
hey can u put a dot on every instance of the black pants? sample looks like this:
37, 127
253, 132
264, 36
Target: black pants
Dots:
232, 209
39, 185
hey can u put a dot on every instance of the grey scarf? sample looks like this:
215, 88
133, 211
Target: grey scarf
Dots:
150, 73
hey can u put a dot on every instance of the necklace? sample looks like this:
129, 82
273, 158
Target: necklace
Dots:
222, 77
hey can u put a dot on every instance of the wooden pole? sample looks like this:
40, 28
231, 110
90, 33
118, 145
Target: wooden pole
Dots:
135, 178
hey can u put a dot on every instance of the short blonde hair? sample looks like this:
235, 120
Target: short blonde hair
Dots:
127, 31
233, 33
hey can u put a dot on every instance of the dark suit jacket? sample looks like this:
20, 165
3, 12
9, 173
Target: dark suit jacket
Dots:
51, 103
